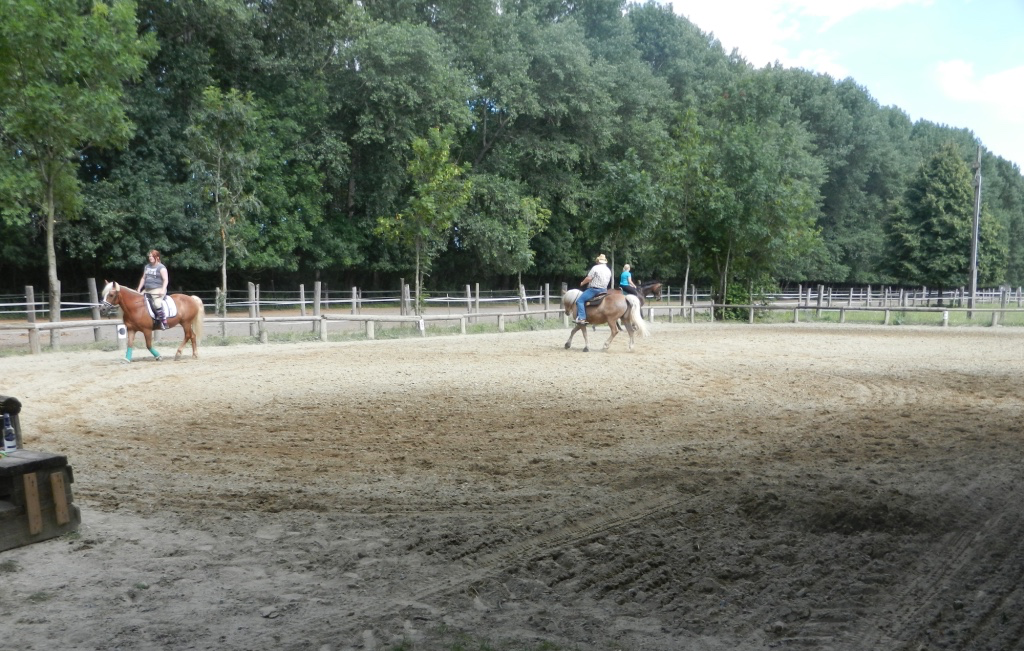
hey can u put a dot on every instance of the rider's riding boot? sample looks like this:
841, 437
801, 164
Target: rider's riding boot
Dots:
161, 318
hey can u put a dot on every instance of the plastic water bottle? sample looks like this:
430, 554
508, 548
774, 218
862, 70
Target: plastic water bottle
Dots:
10, 437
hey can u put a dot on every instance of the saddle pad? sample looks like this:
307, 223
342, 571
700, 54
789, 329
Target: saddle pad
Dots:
169, 307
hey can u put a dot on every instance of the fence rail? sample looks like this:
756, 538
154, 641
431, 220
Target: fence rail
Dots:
473, 306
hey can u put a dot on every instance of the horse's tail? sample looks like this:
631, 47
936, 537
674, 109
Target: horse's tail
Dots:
197, 320
569, 301
636, 317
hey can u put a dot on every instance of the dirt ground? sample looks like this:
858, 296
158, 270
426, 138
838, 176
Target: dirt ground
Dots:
722, 487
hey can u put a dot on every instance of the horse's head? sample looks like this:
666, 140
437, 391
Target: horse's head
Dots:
569, 300
110, 298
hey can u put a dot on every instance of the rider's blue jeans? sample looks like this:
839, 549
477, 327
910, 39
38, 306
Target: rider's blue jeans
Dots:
581, 302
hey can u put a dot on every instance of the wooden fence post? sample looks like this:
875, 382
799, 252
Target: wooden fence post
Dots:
317, 285
355, 301
253, 328
30, 316
94, 298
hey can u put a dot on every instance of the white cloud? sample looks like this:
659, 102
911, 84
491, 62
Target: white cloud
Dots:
1001, 92
832, 12
760, 29
756, 29
818, 61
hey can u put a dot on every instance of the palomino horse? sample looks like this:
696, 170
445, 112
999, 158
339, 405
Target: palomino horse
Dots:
137, 318
651, 288
613, 306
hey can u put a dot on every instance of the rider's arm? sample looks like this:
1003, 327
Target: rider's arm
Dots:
163, 275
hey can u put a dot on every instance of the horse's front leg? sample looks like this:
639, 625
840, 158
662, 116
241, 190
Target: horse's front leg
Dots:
572, 334
131, 347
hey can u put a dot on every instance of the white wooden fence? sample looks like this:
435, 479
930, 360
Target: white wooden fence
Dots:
690, 305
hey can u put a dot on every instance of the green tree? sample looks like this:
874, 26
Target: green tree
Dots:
758, 207
63, 64
930, 229
224, 155
499, 223
437, 196
627, 207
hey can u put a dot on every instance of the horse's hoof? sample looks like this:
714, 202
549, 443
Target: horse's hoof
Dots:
586, 350
177, 356
567, 344
125, 361
158, 359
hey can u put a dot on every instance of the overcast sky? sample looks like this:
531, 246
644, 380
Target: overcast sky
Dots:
953, 62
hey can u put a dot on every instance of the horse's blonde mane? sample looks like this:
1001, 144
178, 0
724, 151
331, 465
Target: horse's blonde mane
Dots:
569, 300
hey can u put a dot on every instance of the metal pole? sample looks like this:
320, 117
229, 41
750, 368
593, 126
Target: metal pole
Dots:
974, 232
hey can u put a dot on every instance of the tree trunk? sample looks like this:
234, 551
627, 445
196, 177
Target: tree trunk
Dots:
686, 281
723, 281
224, 270
51, 254
417, 309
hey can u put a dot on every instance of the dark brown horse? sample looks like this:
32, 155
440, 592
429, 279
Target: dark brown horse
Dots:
651, 288
137, 318
613, 306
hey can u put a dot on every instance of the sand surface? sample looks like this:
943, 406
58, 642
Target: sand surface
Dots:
722, 487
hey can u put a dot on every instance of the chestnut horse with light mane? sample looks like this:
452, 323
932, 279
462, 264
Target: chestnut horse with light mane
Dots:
614, 305
137, 318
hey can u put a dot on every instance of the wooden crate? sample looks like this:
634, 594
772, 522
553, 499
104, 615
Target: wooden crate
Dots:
35, 498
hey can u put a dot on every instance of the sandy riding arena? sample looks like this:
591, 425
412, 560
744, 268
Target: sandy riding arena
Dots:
722, 487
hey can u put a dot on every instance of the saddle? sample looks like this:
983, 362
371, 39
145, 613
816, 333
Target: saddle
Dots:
170, 307
596, 300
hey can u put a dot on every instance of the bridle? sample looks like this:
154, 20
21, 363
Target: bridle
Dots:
106, 307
